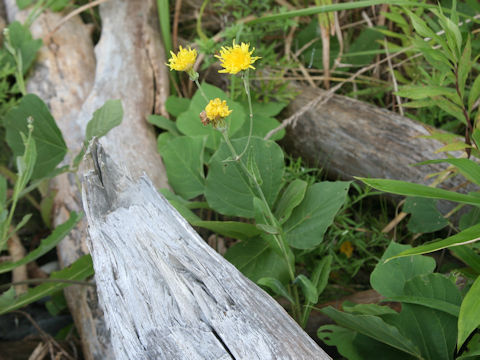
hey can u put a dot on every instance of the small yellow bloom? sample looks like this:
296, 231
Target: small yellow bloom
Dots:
215, 111
236, 58
183, 61
346, 248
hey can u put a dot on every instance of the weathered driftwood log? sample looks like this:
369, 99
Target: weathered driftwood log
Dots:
130, 57
352, 138
165, 293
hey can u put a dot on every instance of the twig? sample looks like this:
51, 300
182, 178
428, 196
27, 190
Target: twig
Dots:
70, 15
176, 19
394, 79
17, 252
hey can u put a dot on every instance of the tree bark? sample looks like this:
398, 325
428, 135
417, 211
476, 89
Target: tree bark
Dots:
188, 301
67, 77
350, 138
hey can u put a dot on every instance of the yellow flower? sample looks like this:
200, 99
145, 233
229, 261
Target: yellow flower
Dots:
215, 111
346, 248
236, 58
183, 61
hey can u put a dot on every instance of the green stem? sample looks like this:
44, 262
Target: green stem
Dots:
246, 84
201, 91
271, 219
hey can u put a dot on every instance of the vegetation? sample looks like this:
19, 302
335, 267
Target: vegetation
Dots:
301, 236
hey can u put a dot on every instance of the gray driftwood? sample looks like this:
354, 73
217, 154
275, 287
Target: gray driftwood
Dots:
165, 293
128, 66
352, 138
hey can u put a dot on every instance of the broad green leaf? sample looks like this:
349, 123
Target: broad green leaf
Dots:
469, 256
276, 286
474, 94
425, 216
469, 320
366, 42
373, 327
227, 188
104, 119
354, 346
261, 126
467, 236
233, 229
256, 259
163, 139
189, 123
269, 229
305, 227
163, 123
308, 288
46, 244
176, 105
268, 109
468, 168
49, 142
22, 40
429, 303
411, 189
79, 270
433, 332
290, 199
183, 159
389, 278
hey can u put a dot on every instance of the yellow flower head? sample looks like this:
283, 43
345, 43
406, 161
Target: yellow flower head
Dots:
183, 61
215, 111
346, 248
236, 58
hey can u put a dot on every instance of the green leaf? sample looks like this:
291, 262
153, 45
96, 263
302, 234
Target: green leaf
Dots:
464, 66
233, 229
476, 136
176, 105
22, 4
468, 168
455, 146
227, 189
3, 193
183, 159
46, 208
368, 309
58, 5
79, 270
163, 139
268, 109
104, 119
22, 40
256, 259
474, 94
410, 189
425, 216
373, 327
51, 148
309, 220
321, 273
421, 92
469, 256
389, 278
46, 244
290, 199
469, 320
276, 286
7, 298
450, 108
261, 126
269, 229
163, 123
189, 123
473, 349
467, 236
308, 288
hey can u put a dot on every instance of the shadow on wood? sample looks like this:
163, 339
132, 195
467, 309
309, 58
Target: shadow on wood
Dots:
165, 293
